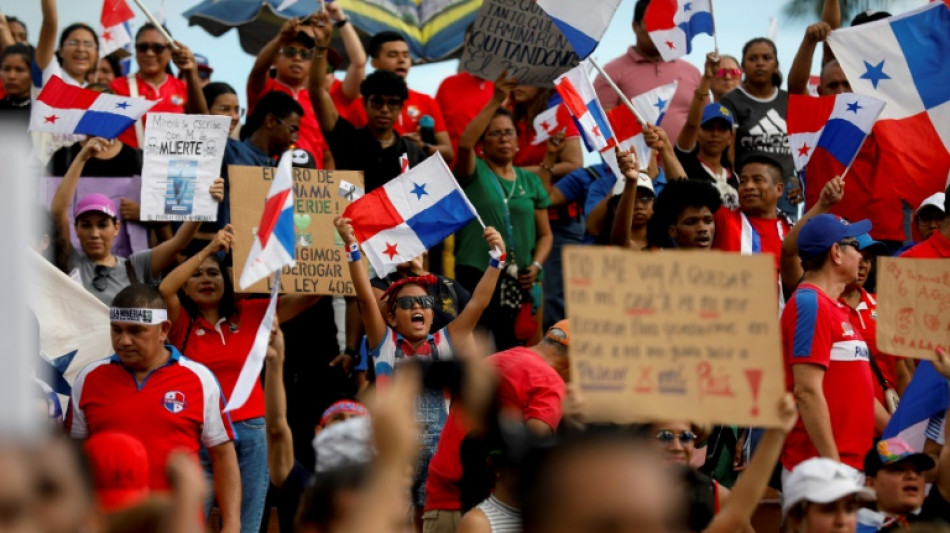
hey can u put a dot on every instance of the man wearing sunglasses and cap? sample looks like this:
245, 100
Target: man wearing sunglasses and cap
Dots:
827, 360
148, 390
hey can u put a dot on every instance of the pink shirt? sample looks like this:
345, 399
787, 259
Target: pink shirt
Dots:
636, 75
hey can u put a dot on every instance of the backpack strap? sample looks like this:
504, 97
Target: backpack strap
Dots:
130, 271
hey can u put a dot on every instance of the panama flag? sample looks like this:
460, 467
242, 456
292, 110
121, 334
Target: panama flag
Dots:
926, 396
652, 106
409, 214
825, 133
116, 32
273, 246
64, 108
672, 24
579, 96
582, 23
900, 59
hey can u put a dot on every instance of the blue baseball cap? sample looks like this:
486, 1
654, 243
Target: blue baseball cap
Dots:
867, 244
821, 232
713, 111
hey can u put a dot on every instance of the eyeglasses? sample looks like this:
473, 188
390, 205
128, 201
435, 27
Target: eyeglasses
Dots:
75, 43
666, 437
393, 103
850, 242
498, 134
408, 302
291, 53
101, 279
292, 129
732, 72
158, 48
230, 110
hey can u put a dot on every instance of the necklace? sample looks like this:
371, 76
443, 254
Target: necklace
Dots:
514, 184
389, 141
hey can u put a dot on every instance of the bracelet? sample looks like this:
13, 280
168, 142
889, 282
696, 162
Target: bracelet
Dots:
701, 94
537, 264
342, 22
496, 259
353, 253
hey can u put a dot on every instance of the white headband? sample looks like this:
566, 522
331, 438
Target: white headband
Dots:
149, 317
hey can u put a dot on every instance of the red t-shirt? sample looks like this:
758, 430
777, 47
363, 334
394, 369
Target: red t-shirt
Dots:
765, 235
460, 97
223, 348
528, 384
864, 318
530, 154
816, 330
172, 97
344, 106
415, 107
935, 247
310, 138
177, 407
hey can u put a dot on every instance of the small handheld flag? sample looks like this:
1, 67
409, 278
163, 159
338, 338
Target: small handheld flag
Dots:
116, 33
583, 24
672, 24
64, 108
274, 246
579, 96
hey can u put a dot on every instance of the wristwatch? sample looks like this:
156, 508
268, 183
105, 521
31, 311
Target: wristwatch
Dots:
537, 264
342, 22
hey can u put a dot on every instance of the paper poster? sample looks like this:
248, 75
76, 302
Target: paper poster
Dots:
913, 306
132, 236
183, 156
674, 335
517, 36
321, 260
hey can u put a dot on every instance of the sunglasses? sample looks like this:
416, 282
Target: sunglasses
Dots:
408, 302
393, 103
158, 48
101, 279
723, 72
850, 242
291, 53
666, 437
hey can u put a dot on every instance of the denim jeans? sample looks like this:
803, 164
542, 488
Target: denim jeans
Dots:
251, 446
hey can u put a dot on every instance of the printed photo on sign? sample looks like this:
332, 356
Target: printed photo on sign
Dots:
180, 192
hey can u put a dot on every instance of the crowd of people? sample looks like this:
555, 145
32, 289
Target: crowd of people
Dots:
439, 398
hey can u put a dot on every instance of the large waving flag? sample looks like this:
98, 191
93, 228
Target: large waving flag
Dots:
64, 108
116, 32
409, 214
672, 24
579, 96
926, 396
900, 60
273, 246
583, 24
825, 133
652, 106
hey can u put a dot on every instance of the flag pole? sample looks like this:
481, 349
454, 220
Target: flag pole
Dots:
847, 168
623, 97
712, 15
148, 14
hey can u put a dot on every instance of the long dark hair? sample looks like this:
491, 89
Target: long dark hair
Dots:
529, 110
226, 307
777, 75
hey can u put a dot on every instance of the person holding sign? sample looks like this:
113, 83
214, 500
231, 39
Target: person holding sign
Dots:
153, 81
96, 224
826, 358
506, 196
211, 326
404, 332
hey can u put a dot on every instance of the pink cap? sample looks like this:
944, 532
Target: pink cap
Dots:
96, 202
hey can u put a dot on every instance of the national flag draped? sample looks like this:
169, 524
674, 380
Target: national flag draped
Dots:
825, 133
652, 106
900, 60
273, 246
672, 24
116, 32
579, 96
582, 23
64, 108
409, 214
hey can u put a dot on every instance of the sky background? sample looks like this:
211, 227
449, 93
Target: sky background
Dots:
737, 21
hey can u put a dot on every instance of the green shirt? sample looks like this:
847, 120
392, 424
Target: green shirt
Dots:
482, 190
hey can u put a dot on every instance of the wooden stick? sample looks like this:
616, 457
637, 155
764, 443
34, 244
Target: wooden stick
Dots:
623, 97
148, 14
712, 15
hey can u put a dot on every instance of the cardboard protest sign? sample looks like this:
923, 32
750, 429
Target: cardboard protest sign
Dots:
132, 236
183, 156
675, 336
517, 36
321, 261
913, 306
